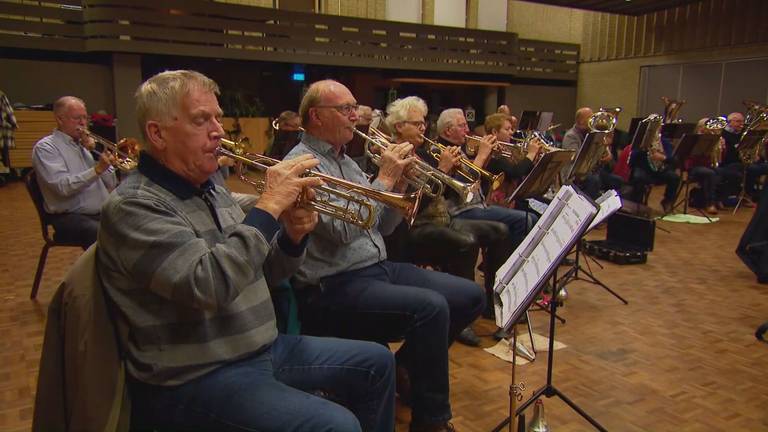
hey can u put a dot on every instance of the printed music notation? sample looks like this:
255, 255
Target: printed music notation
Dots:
564, 221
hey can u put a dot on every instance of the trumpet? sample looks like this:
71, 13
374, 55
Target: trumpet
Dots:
514, 152
354, 206
425, 170
468, 170
126, 160
419, 176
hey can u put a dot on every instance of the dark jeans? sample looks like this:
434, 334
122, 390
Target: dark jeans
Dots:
80, 229
733, 172
518, 222
708, 180
641, 178
271, 391
389, 301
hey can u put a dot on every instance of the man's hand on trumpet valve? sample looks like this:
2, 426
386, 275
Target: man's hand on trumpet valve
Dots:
450, 158
534, 146
106, 159
284, 183
394, 161
298, 221
485, 147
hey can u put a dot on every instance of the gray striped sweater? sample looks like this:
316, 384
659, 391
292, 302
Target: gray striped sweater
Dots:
190, 288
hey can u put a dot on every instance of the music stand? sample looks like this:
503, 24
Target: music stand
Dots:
523, 275
748, 143
692, 146
633, 125
674, 131
529, 120
589, 154
545, 120
542, 176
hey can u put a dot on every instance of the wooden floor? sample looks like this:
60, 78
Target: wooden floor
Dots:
680, 356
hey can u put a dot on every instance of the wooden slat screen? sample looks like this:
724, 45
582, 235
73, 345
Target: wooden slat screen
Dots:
694, 26
202, 28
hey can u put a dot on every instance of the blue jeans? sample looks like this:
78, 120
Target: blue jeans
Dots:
389, 301
272, 391
516, 221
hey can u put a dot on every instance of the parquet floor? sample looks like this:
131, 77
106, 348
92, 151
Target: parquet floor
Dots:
680, 356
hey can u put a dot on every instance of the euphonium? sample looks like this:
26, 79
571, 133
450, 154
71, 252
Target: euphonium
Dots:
420, 175
126, 160
715, 126
468, 170
603, 120
748, 155
351, 205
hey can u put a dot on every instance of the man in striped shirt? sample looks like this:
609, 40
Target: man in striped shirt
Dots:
189, 273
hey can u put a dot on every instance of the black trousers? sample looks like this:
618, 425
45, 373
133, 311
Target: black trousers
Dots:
641, 178
80, 229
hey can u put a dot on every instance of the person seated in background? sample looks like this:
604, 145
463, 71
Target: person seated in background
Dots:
188, 275
702, 171
502, 127
74, 186
361, 293
287, 134
651, 166
452, 130
459, 239
733, 170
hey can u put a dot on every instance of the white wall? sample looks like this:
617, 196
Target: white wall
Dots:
404, 11
451, 13
492, 15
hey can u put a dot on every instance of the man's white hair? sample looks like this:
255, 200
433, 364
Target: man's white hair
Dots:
397, 111
447, 119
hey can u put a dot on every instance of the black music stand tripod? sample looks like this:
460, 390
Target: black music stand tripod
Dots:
549, 390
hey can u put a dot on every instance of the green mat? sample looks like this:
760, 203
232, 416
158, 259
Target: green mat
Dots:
689, 218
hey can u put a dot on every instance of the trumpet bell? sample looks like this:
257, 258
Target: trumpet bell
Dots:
539, 421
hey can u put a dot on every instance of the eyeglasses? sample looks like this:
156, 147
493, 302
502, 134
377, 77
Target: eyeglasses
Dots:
345, 109
416, 123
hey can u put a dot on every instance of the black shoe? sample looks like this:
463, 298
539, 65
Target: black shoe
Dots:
468, 337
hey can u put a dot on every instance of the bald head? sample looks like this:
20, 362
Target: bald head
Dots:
329, 112
582, 115
71, 115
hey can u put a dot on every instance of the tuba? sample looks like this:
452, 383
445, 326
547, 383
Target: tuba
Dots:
351, 204
604, 120
715, 126
749, 154
125, 150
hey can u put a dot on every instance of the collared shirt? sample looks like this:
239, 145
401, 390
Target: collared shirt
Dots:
573, 138
67, 176
336, 246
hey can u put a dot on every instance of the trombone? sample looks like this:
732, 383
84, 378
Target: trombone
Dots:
426, 170
352, 209
126, 161
468, 170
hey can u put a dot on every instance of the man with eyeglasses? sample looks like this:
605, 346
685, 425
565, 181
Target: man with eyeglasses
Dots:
74, 186
361, 295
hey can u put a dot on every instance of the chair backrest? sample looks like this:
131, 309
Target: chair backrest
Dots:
33, 187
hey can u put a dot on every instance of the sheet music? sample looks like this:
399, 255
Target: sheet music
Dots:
519, 278
610, 203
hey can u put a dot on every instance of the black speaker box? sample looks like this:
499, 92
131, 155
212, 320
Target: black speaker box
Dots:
635, 231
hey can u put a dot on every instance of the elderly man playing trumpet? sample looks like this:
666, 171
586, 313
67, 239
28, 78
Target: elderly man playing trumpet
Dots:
188, 273
74, 186
364, 296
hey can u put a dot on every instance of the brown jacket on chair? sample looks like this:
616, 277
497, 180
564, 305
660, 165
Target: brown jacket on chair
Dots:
81, 382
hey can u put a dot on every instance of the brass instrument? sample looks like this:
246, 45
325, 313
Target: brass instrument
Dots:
419, 176
715, 126
354, 209
126, 160
462, 189
275, 126
749, 155
544, 145
604, 120
468, 170
652, 140
671, 109
539, 421
512, 152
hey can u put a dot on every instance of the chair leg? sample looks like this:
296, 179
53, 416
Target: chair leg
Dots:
39, 273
